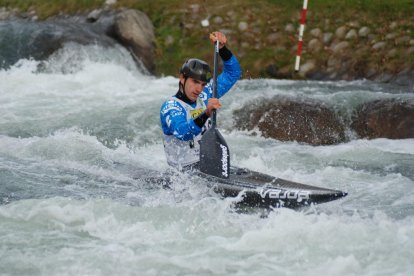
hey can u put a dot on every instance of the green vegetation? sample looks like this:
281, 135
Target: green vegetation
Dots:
46, 8
180, 35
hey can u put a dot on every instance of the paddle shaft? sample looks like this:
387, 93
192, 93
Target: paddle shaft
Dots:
214, 152
215, 69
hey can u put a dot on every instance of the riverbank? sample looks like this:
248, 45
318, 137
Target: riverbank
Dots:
342, 41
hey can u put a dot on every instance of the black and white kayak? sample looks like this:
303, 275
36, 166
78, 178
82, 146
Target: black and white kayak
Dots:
249, 188
265, 191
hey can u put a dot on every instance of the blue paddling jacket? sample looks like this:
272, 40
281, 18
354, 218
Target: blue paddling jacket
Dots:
183, 122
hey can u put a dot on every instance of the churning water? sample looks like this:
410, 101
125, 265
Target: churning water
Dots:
78, 130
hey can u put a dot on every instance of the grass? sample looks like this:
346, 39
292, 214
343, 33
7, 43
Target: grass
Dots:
46, 8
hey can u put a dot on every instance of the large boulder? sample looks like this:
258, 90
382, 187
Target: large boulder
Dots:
389, 118
135, 31
21, 38
292, 120
38, 40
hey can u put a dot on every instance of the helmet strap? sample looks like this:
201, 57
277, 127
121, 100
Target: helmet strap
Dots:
182, 85
181, 93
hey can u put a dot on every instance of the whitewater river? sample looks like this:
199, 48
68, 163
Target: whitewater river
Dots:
79, 130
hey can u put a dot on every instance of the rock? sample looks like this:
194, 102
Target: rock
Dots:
307, 68
4, 13
412, 42
110, 2
245, 44
354, 24
379, 45
32, 13
392, 53
272, 70
341, 32
352, 34
405, 78
169, 40
327, 23
205, 23
314, 45
364, 32
340, 46
333, 63
135, 31
316, 33
39, 40
292, 120
243, 26
189, 26
231, 15
327, 38
273, 38
404, 40
218, 20
284, 72
391, 36
371, 71
393, 25
93, 16
227, 32
333, 76
318, 75
257, 31
195, 8
388, 118
372, 38
290, 28
384, 77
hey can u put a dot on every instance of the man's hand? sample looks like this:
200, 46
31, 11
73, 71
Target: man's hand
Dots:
214, 36
213, 103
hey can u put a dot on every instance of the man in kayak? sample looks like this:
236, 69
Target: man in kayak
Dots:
185, 116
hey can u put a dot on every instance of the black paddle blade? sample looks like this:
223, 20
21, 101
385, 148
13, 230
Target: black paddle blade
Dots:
214, 154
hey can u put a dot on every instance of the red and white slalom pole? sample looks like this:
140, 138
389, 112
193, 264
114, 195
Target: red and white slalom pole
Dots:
301, 29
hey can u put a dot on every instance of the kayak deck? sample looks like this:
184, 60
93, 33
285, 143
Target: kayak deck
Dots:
265, 191
256, 189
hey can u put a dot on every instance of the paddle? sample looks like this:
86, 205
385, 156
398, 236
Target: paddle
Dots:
214, 152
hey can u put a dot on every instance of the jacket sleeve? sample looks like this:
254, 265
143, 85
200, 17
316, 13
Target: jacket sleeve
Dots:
173, 119
225, 81
229, 76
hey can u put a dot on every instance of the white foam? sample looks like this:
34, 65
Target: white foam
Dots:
72, 136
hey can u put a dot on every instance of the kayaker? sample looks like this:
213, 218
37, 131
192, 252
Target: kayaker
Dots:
185, 116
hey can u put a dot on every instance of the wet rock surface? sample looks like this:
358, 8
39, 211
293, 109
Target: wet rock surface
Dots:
292, 120
315, 123
135, 31
26, 38
393, 119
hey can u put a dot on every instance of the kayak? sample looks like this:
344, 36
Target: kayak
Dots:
255, 189
266, 191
